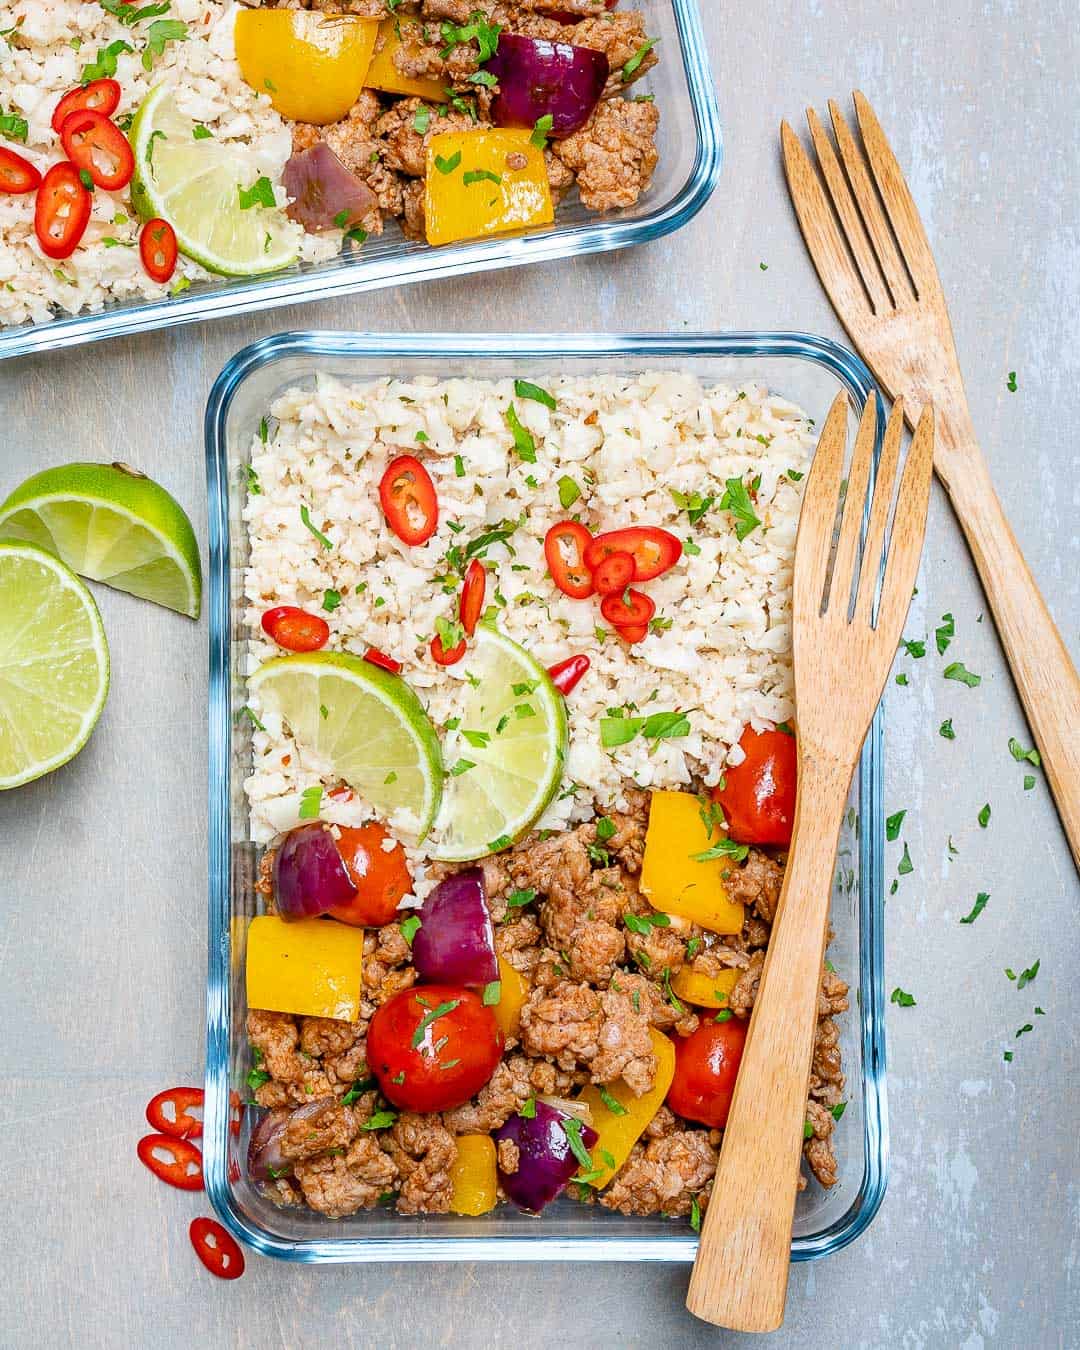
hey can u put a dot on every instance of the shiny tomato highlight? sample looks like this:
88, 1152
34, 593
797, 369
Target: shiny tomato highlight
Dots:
99, 147
61, 212
101, 96
381, 876
408, 500
758, 796
17, 175
295, 629
433, 1047
565, 545
654, 550
706, 1066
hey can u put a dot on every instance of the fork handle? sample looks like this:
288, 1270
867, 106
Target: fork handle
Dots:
1045, 675
741, 1271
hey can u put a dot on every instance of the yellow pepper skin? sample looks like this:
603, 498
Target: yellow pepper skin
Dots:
306, 966
312, 67
619, 1133
704, 991
459, 206
383, 74
514, 990
671, 880
473, 1176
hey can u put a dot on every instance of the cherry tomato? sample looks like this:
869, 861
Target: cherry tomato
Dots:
381, 876
627, 610
758, 796
97, 145
472, 596
567, 675
158, 250
217, 1249
433, 1047
295, 629
378, 658
442, 657
182, 1167
706, 1066
633, 632
614, 573
565, 545
654, 550
180, 1123
101, 96
17, 175
408, 500
61, 211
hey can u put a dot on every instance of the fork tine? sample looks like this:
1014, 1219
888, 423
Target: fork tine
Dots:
819, 230
854, 510
909, 524
899, 203
848, 212
892, 265
879, 516
819, 512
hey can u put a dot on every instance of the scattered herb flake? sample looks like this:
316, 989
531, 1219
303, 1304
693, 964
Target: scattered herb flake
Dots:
977, 908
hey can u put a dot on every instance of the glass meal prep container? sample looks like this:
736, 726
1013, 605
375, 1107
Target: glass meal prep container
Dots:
689, 141
810, 371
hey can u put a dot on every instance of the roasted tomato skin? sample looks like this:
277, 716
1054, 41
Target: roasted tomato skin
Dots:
564, 550
381, 876
758, 796
706, 1066
437, 1074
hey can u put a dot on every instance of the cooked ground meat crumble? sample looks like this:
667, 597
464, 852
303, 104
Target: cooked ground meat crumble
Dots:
596, 988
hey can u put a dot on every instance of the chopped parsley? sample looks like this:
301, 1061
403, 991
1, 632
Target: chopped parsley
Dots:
310, 802
1011, 386
523, 389
660, 726
984, 816
905, 865
471, 176
901, 999
14, 127
723, 848
945, 634
541, 131
977, 908
1029, 781
892, 825
1026, 976
523, 441
448, 165
946, 730
572, 1128
201, 133
158, 36
569, 492
409, 927
695, 1215
958, 671
736, 499
380, 1120
422, 120
518, 899
331, 599
528, 1111
261, 193
105, 65
492, 993
902, 679
245, 711
459, 467
612, 1103
914, 647
693, 503
305, 516
429, 1017
632, 66
1020, 754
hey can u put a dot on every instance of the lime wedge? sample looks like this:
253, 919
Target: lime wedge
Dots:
54, 664
366, 723
505, 760
111, 524
203, 188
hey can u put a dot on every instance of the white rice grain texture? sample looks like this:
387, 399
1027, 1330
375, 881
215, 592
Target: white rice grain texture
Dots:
722, 647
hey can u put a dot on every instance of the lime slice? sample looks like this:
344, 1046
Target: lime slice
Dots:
505, 760
54, 664
199, 187
366, 723
111, 524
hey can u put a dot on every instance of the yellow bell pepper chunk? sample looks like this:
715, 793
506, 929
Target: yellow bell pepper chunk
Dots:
312, 65
513, 991
671, 880
619, 1131
472, 189
306, 966
473, 1177
383, 74
704, 991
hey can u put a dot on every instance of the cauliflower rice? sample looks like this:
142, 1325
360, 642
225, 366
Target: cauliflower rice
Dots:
721, 645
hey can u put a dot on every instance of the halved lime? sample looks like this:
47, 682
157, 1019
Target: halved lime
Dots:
368, 725
112, 524
505, 760
212, 194
54, 664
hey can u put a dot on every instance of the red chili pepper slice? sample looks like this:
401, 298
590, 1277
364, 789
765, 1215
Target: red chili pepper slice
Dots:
442, 657
654, 550
567, 675
628, 610
472, 596
236, 1112
378, 658
97, 145
217, 1249
17, 175
295, 629
632, 632
158, 249
61, 211
614, 574
176, 1170
101, 96
181, 1124
565, 548
408, 500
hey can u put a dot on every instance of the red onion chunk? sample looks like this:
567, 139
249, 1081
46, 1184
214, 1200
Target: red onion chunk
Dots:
546, 1161
264, 1147
325, 195
309, 875
455, 943
538, 79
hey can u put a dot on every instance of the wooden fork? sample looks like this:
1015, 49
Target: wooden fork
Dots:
871, 253
841, 659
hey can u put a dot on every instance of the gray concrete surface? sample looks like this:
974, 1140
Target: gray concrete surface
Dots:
102, 865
